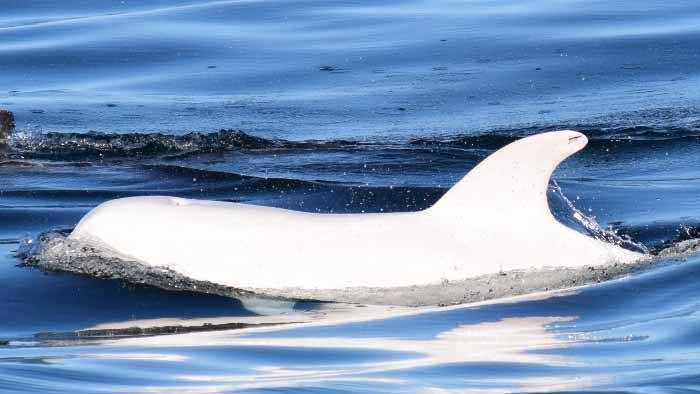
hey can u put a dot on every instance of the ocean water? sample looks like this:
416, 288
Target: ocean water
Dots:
349, 106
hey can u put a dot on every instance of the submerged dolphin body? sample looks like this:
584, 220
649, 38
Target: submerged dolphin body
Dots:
495, 219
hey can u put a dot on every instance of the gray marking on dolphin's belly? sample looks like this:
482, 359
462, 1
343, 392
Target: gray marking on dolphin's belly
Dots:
54, 251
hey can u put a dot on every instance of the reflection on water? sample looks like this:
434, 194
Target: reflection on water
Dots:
642, 337
511, 340
261, 362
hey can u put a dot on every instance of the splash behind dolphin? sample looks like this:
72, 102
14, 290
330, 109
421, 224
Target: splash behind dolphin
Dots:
495, 219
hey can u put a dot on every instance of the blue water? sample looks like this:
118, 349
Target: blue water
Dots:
350, 107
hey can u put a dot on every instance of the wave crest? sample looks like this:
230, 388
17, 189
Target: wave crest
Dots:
66, 146
71, 145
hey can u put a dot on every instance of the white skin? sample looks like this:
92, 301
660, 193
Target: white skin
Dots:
495, 219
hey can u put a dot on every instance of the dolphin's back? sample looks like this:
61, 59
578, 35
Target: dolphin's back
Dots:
495, 219
251, 246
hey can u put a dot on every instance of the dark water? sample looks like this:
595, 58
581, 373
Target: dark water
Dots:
350, 107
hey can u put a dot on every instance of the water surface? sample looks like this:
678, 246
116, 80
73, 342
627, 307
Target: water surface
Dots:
349, 106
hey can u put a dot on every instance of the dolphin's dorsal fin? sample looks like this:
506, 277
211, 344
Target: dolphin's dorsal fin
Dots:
512, 182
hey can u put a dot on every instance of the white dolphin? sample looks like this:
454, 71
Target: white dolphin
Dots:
495, 219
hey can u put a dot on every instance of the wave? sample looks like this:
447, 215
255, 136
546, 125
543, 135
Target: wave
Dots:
597, 135
186, 181
190, 174
84, 145
93, 145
